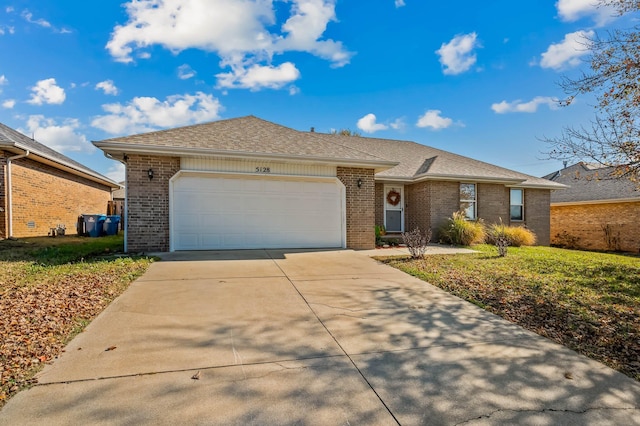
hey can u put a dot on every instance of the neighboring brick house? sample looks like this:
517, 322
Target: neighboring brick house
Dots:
41, 188
250, 183
598, 211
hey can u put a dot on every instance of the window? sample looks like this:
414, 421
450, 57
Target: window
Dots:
517, 204
468, 200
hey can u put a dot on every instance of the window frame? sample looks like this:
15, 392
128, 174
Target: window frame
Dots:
511, 204
473, 202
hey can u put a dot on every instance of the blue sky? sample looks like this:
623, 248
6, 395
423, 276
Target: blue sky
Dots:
475, 78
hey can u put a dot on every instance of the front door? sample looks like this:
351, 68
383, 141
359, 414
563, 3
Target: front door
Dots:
394, 208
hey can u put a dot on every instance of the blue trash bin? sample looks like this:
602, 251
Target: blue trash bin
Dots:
94, 224
111, 223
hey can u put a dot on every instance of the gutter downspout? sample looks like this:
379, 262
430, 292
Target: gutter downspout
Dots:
9, 201
126, 201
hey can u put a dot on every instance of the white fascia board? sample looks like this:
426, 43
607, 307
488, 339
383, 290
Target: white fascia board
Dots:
582, 203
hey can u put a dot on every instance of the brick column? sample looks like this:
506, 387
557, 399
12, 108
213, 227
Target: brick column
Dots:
360, 205
148, 202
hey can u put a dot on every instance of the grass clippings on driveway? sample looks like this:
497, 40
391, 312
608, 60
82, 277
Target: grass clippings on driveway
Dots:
587, 301
50, 289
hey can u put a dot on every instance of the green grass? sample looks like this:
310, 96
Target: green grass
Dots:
587, 301
50, 289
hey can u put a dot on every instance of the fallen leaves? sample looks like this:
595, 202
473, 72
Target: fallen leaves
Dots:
43, 307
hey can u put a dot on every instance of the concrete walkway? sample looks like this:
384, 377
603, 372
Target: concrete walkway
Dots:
330, 337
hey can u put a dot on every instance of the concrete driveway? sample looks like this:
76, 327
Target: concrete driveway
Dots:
329, 337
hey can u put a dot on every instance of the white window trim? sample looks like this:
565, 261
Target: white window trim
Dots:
474, 201
521, 205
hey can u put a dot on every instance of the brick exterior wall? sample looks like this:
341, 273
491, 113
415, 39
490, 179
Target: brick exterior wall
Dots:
44, 197
379, 203
537, 214
430, 203
445, 200
493, 202
148, 202
586, 221
3, 200
360, 207
417, 206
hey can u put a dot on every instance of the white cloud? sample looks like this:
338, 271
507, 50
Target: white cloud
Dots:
185, 72
572, 10
257, 77
147, 113
4, 29
568, 52
398, 124
107, 87
61, 137
245, 34
28, 16
47, 92
434, 120
294, 90
368, 124
458, 56
3, 81
9, 103
519, 106
399, 3
116, 172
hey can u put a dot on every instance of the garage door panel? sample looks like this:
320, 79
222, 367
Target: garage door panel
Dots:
213, 212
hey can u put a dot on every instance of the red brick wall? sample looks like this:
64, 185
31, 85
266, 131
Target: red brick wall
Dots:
586, 222
148, 202
3, 201
45, 196
360, 207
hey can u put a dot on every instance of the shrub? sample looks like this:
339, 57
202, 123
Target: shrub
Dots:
520, 236
515, 236
460, 231
566, 240
416, 241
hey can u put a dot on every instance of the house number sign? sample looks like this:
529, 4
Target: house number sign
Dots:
263, 169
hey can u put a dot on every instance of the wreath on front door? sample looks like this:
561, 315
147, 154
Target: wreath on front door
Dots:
393, 197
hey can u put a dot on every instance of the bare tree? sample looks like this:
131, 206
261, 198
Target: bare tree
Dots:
613, 138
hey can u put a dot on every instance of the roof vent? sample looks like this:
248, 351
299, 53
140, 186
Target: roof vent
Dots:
313, 129
564, 163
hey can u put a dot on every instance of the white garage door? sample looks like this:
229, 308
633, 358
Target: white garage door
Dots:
212, 212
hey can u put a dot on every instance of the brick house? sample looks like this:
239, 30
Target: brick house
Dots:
597, 211
41, 188
250, 183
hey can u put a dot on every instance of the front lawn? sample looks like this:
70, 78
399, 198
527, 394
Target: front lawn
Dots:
50, 289
587, 301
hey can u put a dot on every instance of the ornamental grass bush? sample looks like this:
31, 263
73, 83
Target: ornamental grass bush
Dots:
516, 236
463, 232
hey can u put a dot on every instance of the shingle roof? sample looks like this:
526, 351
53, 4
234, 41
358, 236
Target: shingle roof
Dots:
11, 139
251, 135
421, 161
589, 183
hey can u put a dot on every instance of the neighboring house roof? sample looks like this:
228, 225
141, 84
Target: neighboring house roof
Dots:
120, 193
251, 136
13, 141
588, 183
